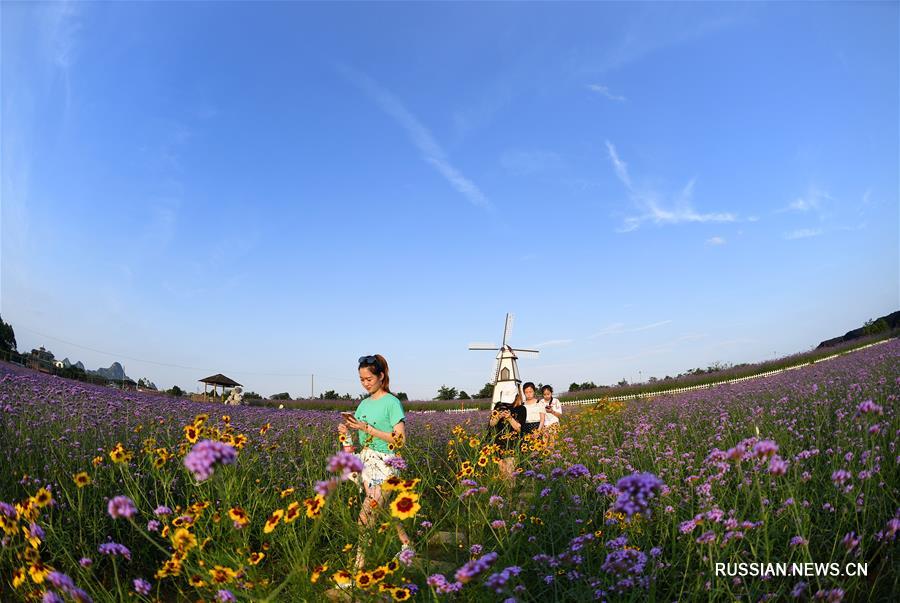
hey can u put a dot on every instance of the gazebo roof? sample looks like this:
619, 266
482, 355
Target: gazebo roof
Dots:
220, 379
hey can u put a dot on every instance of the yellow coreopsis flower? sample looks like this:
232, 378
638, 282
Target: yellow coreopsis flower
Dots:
42, 498
119, 454
18, 577
317, 571
255, 558
38, 571
82, 479
221, 574
314, 506
405, 505
273, 520
292, 512
239, 516
191, 433
287, 492
183, 540
197, 581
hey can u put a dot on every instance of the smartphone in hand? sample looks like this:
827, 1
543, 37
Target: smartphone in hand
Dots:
346, 415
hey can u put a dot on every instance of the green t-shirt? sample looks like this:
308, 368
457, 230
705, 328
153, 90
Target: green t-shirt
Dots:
382, 414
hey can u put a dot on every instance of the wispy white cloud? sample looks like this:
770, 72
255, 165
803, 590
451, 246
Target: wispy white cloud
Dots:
420, 136
813, 200
802, 233
604, 91
652, 208
715, 241
657, 29
618, 327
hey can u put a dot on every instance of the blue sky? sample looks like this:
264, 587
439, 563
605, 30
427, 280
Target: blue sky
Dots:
272, 190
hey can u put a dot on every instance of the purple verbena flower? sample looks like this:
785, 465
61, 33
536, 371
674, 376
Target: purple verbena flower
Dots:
121, 506
141, 586
635, 493
205, 455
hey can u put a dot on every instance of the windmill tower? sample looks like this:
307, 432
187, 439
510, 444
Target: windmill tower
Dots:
505, 377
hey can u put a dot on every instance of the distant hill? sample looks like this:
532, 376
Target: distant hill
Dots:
879, 325
67, 364
114, 373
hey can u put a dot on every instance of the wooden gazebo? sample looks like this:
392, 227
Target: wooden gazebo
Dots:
217, 380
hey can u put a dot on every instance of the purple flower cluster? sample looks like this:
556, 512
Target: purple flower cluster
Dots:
497, 582
577, 470
162, 510
225, 596
114, 548
346, 464
765, 448
440, 584
141, 586
869, 407
406, 556
622, 562
121, 506
472, 569
635, 493
205, 455
66, 585
396, 462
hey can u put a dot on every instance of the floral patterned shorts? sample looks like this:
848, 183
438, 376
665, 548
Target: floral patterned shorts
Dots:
375, 469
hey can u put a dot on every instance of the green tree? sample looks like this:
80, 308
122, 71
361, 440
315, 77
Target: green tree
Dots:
175, 391
446, 393
486, 392
402, 396
252, 396
574, 387
281, 396
7, 337
329, 395
873, 327
463, 396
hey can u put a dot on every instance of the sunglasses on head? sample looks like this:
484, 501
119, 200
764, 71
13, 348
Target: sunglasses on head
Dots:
369, 360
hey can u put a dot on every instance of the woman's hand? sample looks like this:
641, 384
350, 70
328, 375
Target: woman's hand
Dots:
354, 423
342, 429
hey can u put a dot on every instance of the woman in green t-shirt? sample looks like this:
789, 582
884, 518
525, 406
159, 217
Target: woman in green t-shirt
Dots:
379, 419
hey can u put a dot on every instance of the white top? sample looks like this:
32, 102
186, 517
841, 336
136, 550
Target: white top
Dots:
533, 412
556, 406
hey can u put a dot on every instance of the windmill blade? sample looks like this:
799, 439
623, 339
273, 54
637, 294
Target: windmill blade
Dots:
507, 330
526, 352
483, 346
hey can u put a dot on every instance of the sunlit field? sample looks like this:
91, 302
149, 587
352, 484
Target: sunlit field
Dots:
112, 496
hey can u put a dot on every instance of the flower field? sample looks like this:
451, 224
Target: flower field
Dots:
112, 496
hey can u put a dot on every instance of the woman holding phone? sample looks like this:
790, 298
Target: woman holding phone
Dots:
507, 421
380, 422
552, 413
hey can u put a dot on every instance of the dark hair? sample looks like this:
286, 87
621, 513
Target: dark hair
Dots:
379, 366
527, 385
547, 388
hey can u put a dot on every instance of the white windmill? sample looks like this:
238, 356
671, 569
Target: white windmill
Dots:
505, 377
